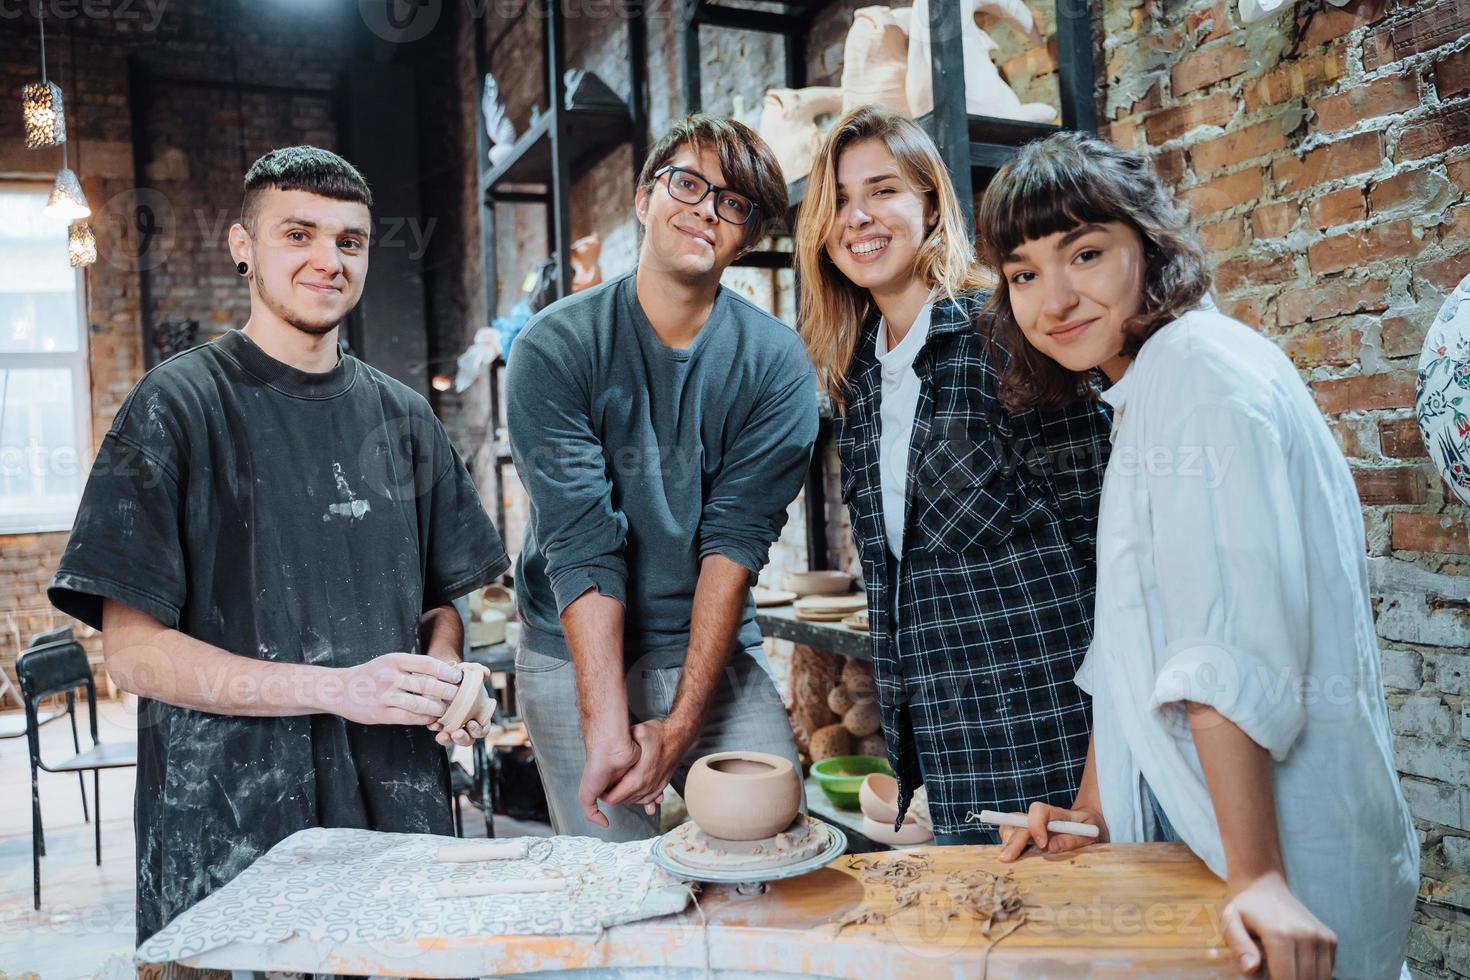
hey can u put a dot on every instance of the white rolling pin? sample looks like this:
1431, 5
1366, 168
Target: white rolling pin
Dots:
1055, 826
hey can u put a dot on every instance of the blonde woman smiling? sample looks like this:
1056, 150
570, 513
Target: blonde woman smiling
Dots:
976, 525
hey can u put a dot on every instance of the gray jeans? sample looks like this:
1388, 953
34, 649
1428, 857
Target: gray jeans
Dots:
745, 713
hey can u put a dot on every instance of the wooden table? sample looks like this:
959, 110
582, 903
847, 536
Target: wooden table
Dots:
1111, 910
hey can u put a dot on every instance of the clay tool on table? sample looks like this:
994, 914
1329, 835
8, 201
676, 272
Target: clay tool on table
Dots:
487, 850
1055, 826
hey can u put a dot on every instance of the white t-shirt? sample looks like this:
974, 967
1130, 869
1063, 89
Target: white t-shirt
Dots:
1232, 573
899, 401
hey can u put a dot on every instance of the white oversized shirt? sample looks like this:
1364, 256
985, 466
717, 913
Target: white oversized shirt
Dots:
1232, 572
897, 405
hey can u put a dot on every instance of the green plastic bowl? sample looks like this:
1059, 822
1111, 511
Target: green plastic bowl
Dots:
842, 776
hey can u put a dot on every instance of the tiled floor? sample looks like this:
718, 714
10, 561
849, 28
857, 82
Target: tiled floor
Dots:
86, 911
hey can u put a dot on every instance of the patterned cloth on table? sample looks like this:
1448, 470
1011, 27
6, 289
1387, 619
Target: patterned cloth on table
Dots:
364, 887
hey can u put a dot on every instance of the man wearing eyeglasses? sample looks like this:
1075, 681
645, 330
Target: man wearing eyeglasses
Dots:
661, 425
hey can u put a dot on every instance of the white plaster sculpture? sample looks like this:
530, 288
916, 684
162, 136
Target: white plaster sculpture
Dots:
875, 60
789, 125
470, 366
986, 93
497, 125
1254, 10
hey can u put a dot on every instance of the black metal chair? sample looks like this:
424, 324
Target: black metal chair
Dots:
9, 728
60, 667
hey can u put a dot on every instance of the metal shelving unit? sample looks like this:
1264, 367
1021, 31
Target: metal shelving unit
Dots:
559, 147
973, 147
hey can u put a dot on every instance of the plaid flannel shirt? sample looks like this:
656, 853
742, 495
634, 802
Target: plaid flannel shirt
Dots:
995, 583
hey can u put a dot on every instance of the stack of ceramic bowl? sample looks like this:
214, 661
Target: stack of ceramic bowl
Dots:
818, 583
765, 598
878, 799
829, 609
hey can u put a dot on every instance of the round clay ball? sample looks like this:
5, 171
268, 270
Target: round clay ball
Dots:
839, 700
862, 690
856, 671
830, 741
861, 719
872, 745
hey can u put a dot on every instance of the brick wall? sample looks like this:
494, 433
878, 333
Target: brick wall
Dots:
1324, 155
195, 150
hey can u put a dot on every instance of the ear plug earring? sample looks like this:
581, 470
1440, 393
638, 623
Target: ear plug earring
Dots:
243, 269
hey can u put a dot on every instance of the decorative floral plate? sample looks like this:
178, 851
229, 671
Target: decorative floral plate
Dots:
1443, 399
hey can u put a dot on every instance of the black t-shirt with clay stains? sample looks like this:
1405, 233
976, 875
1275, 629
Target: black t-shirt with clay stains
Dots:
286, 516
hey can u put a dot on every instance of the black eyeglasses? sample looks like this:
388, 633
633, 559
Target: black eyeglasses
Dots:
690, 188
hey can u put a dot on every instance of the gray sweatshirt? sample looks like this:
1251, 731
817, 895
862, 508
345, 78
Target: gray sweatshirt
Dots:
640, 459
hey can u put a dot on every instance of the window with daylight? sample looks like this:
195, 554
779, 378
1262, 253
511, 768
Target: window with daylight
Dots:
45, 425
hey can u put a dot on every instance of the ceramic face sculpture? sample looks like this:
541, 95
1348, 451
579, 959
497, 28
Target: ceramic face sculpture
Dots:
789, 125
875, 61
986, 93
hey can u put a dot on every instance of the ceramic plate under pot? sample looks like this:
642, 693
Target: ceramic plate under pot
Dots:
836, 847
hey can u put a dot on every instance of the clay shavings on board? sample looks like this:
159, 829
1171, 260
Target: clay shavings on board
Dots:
993, 900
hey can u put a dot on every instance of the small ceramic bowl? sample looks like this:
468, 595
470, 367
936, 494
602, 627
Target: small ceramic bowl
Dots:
743, 795
818, 583
911, 834
841, 777
878, 797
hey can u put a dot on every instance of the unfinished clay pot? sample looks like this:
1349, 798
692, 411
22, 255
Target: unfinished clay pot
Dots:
878, 797
911, 833
743, 795
472, 701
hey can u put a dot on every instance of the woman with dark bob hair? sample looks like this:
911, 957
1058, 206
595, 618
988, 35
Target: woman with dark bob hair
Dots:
1237, 703
975, 525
